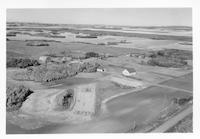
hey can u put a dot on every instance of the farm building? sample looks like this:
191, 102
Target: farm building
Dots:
44, 59
101, 69
129, 72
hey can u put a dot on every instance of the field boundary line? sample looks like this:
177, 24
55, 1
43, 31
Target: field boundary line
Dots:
123, 94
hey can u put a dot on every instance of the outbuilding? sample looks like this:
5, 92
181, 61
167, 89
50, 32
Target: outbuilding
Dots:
44, 59
129, 72
100, 69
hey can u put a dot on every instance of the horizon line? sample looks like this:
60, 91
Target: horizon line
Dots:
99, 24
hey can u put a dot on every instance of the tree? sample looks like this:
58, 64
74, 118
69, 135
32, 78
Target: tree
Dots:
91, 54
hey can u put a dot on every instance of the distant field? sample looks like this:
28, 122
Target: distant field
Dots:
55, 47
115, 33
105, 38
14, 54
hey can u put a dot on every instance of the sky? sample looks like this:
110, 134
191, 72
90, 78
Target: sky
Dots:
107, 16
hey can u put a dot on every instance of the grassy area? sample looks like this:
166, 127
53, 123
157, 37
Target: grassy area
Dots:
183, 82
170, 58
15, 96
184, 126
56, 47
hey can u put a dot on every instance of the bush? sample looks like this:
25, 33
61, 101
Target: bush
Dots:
56, 72
182, 101
15, 96
170, 58
53, 76
89, 67
101, 43
112, 43
91, 54
37, 44
175, 53
21, 62
65, 100
167, 62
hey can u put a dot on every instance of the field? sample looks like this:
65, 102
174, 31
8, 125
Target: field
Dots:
165, 91
21, 48
146, 105
183, 82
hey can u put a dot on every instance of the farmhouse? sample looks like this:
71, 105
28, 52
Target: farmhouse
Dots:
44, 59
129, 72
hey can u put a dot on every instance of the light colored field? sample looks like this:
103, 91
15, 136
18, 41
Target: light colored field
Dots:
132, 42
148, 31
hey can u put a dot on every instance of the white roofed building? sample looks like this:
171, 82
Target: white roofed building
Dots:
129, 72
